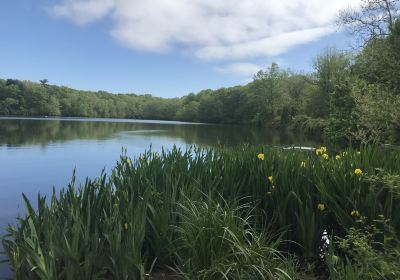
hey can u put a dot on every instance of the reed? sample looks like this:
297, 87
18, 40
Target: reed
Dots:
225, 213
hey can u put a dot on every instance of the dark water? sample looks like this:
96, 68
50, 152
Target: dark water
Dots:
37, 154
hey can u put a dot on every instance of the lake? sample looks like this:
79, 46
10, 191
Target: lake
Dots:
39, 153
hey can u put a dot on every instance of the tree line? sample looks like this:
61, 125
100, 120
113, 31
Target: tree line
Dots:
349, 96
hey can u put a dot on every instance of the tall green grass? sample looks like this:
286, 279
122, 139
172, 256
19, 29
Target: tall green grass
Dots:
217, 241
222, 213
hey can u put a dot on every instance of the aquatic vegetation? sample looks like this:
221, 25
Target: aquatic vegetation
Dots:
217, 241
223, 213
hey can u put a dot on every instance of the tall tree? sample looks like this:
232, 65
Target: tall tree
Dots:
331, 67
373, 19
44, 82
267, 89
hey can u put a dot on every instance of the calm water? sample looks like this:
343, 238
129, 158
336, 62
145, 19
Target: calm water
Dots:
37, 154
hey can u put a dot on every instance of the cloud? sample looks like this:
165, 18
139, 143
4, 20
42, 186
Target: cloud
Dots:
83, 11
240, 69
210, 29
270, 46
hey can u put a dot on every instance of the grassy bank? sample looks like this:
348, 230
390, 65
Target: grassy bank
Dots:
229, 213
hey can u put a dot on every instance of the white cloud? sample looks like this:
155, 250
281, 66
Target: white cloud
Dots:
83, 11
210, 29
270, 46
240, 69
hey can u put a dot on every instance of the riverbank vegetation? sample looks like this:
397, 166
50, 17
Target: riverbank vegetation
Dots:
228, 213
350, 96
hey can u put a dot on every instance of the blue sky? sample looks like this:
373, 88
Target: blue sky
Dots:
168, 49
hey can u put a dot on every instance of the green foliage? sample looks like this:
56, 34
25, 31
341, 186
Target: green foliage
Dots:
210, 109
379, 61
340, 119
94, 232
234, 213
331, 67
215, 242
376, 114
267, 91
370, 251
188, 112
309, 125
271, 99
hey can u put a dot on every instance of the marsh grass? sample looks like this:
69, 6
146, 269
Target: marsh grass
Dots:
216, 241
222, 213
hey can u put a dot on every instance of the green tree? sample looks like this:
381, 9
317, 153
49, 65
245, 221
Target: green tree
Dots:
379, 61
341, 107
332, 67
374, 19
44, 82
267, 94
376, 114
7, 107
188, 112
210, 109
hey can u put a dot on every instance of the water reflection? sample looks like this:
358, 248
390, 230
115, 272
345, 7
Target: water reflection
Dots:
28, 132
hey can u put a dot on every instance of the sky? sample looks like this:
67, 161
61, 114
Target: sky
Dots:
166, 48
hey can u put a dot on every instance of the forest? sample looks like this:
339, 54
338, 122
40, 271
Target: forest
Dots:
350, 96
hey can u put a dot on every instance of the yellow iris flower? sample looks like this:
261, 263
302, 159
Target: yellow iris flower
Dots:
358, 171
355, 214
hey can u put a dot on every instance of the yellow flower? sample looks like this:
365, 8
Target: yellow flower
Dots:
318, 152
303, 164
324, 149
126, 226
358, 171
325, 156
355, 214
270, 178
261, 156
338, 157
321, 206
129, 162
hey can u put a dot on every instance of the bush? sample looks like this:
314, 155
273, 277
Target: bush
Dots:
367, 252
376, 114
